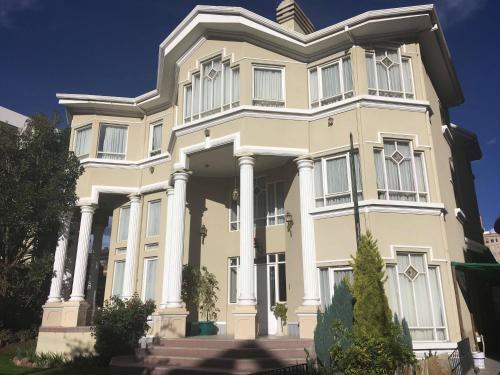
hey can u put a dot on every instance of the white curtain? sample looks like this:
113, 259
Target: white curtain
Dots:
357, 170
118, 278
207, 88
318, 183
395, 78
227, 84
82, 141
392, 286
379, 169
271, 204
112, 142
324, 286
280, 202
156, 141
123, 225
196, 95
217, 85
370, 68
330, 79
236, 85
339, 275
313, 82
268, 84
383, 78
150, 278
260, 209
420, 172
437, 303
406, 291
337, 180
407, 77
347, 73
187, 102
234, 215
154, 218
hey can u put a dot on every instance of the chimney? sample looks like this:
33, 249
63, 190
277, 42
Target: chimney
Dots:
291, 16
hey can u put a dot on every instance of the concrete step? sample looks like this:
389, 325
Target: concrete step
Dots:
189, 342
171, 351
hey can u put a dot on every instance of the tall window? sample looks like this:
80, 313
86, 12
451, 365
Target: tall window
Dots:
155, 136
153, 225
268, 86
332, 180
118, 278
82, 142
260, 202
277, 278
329, 278
415, 294
400, 172
331, 83
123, 223
234, 215
232, 288
389, 74
149, 278
112, 142
275, 203
215, 88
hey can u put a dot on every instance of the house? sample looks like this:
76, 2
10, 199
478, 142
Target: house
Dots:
239, 161
12, 120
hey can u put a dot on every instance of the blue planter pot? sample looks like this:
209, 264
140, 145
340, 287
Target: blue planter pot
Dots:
206, 328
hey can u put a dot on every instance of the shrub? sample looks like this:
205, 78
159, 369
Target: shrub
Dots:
27, 357
209, 287
190, 291
119, 325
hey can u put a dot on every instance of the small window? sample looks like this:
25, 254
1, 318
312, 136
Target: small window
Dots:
233, 267
121, 250
153, 225
112, 142
329, 278
331, 83
275, 203
155, 139
268, 86
123, 223
152, 246
118, 275
149, 278
82, 142
234, 215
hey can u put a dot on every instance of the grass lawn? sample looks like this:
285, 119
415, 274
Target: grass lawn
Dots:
8, 368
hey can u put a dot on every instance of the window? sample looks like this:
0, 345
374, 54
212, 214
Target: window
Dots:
277, 278
155, 139
123, 223
329, 278
121, 250
268, 86
152, 246
154, 211
389, 74
112, 142
149, 278
331, 83
275, 203
233, 266
215, 88
118, 278
82, 142
397, 168
260, 202
415, 294
234, 215
332, 180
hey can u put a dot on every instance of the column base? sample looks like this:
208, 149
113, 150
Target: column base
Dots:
307, 320
170, 322
245, 322
52, 314
74, 313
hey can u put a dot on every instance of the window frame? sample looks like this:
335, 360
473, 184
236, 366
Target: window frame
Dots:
319, 71
275, 216
237, 221
229, 267
120, 223
331, 279
151, 202
114, 278
145, 274
416, 192
282, 103
75, 140
151, 133
99, 152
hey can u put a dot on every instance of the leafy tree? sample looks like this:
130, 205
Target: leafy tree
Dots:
37, 179
208, 295
372, 314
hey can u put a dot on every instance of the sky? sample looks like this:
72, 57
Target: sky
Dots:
110, 47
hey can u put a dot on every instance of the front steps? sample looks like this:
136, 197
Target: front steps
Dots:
214, 355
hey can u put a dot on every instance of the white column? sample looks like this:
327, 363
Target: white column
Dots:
246, 288
311, 290
82, 253
168, 247
132, 246
60, 260
174, 262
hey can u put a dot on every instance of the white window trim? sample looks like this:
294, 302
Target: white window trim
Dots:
77, 130
151, 131
120, 223
144, 276
124, 154
283, 86
148, 220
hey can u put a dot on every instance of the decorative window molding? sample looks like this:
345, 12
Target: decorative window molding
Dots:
83, 137
155, 139
268, 86
389, 73
331, 82
112, 142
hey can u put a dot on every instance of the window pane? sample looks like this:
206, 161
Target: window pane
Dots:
409, 309
379, 168
313, 82
318, 179
357, 169
340, 275
236, 85
118, 278
423, 301
420, 171
324, 283
154, 218
156, 141
227, 84
406, 174
267, 84
112, 142
392, 286
383, 77
196, 95
272, 286
270, 200
187, 102
150, 278
282, 282
347, 70
330, 77
370, 69
395, 78
336, 172
82, 142
123, 225
233, 278
280, 199
407, 75
436, 297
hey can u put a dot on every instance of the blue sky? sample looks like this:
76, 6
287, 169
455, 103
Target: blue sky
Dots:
110, 48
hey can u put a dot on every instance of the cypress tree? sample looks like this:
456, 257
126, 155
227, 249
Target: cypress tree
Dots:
372, 314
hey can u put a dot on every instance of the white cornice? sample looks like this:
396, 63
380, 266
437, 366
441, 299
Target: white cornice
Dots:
126, 164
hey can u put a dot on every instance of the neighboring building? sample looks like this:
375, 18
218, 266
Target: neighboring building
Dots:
12, 119
239, 161
492, 241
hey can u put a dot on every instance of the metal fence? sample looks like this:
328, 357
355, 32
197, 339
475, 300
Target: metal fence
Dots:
301, 369
461, 359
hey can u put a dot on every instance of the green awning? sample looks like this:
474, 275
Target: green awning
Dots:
476, 266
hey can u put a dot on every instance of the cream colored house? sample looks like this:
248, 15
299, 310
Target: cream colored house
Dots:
246, 135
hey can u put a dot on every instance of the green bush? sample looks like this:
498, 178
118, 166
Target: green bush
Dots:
29, 356
119, 325
208, 295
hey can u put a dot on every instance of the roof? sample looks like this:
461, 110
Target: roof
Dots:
10, 117
234, 22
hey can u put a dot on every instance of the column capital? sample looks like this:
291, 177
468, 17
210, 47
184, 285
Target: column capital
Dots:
88, 208
170, 191
134, 197
181, 174
304, 162
246, 159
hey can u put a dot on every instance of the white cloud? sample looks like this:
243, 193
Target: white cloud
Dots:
453, 11
8, 7
492, 141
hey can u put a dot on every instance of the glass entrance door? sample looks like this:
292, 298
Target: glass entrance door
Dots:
276, 287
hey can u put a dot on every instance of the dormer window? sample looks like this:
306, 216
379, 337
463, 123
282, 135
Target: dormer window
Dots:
331, 82
214, 89
389, 74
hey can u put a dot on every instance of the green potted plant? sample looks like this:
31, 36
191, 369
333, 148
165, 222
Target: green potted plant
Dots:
279, 312
209, 286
